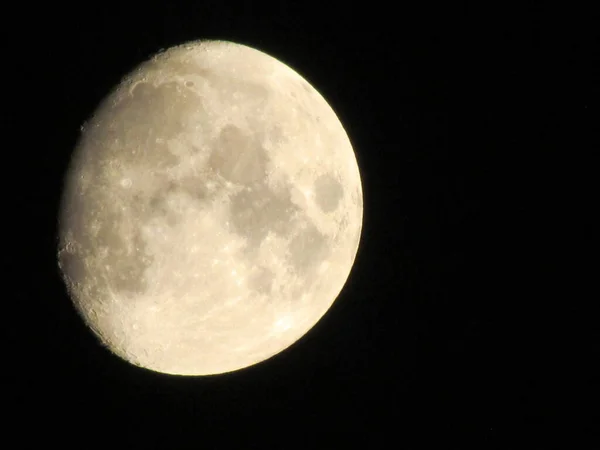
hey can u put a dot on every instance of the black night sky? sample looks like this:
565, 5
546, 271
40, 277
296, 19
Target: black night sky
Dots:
457, 327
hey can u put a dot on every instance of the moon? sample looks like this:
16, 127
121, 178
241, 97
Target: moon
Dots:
211, 211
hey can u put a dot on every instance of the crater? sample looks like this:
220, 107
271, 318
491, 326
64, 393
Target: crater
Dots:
238, 157
328, 193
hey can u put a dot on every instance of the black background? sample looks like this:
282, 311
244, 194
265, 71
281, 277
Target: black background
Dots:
457, 325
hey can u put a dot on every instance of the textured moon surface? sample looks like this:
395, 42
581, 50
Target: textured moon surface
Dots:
211, 212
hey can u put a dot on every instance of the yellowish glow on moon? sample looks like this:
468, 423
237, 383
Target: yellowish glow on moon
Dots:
212, 211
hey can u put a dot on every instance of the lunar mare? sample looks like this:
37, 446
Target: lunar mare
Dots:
211, 213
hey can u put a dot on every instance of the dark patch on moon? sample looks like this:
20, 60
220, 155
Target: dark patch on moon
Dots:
307, 87
125, 264
122, 268
195, 187
157, 203
261, 280
257, 210
139, 125
328, 193
234, 90
72, 265
307, 249
276, 135
238, 157
158, 207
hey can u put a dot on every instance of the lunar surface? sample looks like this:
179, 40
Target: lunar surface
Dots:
211, 213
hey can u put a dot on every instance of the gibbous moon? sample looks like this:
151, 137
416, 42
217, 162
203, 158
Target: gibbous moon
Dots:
211, 213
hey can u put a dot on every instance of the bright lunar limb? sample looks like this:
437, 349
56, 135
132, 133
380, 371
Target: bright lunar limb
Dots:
211, 212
